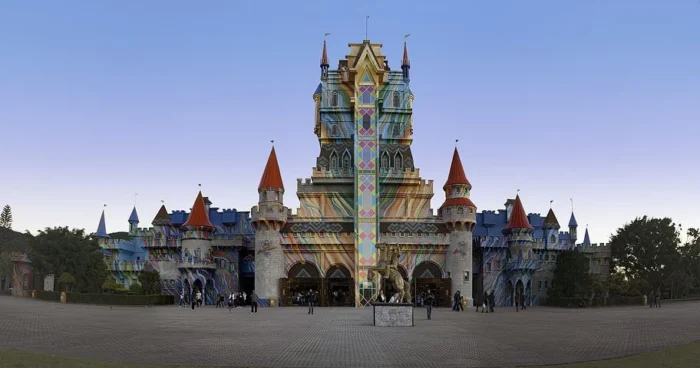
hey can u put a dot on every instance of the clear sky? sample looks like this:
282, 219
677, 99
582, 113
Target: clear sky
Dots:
595, 100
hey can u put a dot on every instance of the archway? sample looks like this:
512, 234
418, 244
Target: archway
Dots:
427, 275
340, 287
302, 278
528, 293
197, 287
186, 290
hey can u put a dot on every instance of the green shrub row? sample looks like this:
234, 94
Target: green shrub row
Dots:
107, 299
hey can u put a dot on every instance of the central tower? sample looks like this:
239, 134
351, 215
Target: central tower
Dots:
366, 71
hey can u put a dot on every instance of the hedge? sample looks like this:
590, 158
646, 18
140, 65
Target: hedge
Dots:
595, 302
107, 299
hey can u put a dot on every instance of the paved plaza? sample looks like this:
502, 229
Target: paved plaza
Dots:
345, 337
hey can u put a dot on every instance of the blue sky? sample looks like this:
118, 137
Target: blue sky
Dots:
595, 100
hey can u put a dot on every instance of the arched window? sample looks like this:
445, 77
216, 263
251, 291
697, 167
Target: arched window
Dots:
397, 130
397, 99
334, 99
347, 165
398, 161
385, 161
366, 121
334, 161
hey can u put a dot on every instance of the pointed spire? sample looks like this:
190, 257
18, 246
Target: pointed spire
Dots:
586, 238
102, 227
456, 175
405, 61
271, 177
518, 218
134, 218
324, 55
572, 220
162, 218
199, 216
550, 222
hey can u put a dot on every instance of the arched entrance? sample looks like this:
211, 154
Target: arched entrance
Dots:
197, 287
519, 291
301, 278
427, 275
340, 287
388, 286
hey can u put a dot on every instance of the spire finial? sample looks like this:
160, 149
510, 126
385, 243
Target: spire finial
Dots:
162, 201
135, 194
103, 206
456, 141
517, 192
572, 205
272, 141
550, 204
366, 27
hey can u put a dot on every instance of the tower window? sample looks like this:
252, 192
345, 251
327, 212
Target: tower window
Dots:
334, 99
398, 161
346, 161
385, 161
334, 130
397, 100
334, 161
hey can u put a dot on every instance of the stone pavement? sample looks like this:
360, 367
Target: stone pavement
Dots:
343, 337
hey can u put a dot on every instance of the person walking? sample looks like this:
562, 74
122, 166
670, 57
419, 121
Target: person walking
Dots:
182, 299
456, 302
492, 301
657, 300
253, 302
429, 299
485, 302
311, 299
517, 301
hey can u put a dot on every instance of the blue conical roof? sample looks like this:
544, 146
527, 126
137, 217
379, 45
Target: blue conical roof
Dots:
572, 220
134, 218
586, 238
102, 228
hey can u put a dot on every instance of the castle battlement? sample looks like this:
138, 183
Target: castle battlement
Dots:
595, 248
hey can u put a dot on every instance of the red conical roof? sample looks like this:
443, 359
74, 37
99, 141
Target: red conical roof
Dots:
457, 175
518, 218
271, 177
199, 216
324, 55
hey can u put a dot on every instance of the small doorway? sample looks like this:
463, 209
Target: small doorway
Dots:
428, 276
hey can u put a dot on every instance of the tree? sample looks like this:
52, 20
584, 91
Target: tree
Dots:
690, 254
135, 288
571, 277
6, 217
66, 280
58, 250
110, 285
646, 251
150, 282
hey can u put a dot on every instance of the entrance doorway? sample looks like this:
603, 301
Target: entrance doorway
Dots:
301, 278
340, 287
428, 276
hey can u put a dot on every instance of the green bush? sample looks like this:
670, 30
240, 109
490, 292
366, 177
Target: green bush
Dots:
135, 289
52, 296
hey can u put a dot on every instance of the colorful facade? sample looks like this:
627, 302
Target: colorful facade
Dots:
364, 189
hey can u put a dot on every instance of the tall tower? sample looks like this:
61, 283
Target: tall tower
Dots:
573, 226
268, 218
550, 227
459, 214
519, 236
196, 246
405, 64
324, 63
133, 222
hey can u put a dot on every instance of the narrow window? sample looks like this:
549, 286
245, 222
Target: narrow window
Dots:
398, 161
334, 130
366, 122
397, 99
334, 161
334, 99
385, 161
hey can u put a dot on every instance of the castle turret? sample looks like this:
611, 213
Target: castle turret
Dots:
573, 225
519, 232
133, 222
268, 218
324, 62
459, 214
586, 238
196, 239
405, 64
102, 228
550, 226
162, 218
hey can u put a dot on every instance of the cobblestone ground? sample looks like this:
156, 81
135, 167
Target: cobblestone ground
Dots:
342, 337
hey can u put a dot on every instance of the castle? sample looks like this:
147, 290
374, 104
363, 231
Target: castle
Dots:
363, 190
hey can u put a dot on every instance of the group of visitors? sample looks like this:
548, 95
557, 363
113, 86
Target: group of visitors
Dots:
487, 303
655, 300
